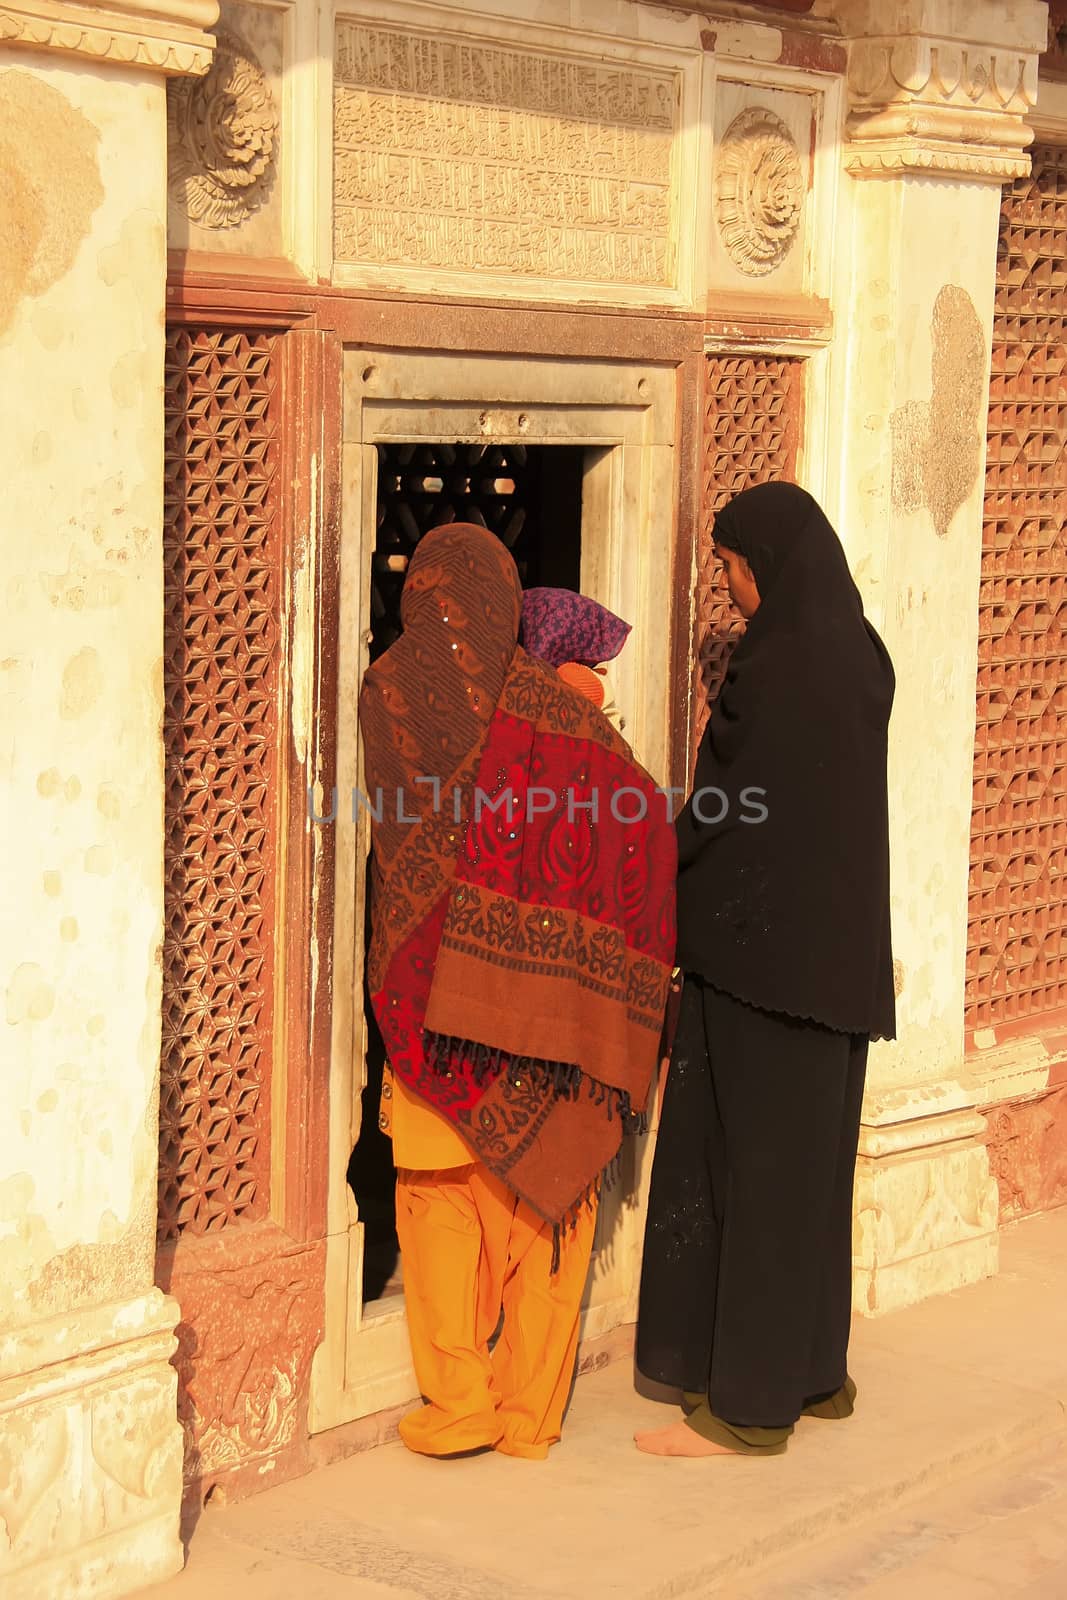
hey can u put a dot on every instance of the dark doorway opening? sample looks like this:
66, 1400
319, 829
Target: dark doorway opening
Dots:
530, 496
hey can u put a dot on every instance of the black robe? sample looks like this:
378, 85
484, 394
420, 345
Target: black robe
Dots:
784, 939
791, 913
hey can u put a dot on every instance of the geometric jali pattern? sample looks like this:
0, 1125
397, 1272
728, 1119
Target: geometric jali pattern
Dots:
221, 632
752, 408
1017, 944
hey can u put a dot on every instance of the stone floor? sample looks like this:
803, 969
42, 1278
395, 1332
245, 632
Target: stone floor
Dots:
950, 1481
999, 1534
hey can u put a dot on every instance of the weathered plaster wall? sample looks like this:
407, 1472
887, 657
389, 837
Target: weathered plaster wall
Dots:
81, 610
93, 1453
938, 443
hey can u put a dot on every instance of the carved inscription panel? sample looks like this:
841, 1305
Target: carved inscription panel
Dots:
459, 156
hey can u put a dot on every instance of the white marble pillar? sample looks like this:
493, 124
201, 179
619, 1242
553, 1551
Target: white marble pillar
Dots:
90, 1447
939, 93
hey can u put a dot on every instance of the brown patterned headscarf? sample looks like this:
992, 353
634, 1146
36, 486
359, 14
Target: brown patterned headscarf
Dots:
520, 953
428, 700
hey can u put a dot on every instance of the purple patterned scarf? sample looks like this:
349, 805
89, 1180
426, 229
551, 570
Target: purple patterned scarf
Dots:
559, 625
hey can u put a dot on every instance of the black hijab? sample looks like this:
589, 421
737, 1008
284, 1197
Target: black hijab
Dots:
791, 913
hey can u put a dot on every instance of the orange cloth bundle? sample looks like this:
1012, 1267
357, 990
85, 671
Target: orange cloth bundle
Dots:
587, 681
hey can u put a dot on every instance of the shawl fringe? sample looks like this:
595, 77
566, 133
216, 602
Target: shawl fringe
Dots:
608, 1180
447, 1052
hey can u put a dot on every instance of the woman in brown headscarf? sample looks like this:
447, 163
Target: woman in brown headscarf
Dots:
523, 929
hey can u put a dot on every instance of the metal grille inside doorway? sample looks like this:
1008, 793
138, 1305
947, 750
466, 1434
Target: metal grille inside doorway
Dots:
528, 495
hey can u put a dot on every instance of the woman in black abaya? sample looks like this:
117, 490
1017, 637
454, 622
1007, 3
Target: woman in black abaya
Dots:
783, 939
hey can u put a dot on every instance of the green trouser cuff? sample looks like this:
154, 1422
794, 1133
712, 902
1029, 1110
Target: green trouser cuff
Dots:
743, 1441
834, 1407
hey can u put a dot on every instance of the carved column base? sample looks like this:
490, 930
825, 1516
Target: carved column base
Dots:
926, 1200
90, 1453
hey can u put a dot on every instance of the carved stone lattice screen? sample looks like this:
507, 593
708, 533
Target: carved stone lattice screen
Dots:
752, 407
222, 583
1017, 947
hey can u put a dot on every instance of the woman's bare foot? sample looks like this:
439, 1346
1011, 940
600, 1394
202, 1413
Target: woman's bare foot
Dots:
679, 1440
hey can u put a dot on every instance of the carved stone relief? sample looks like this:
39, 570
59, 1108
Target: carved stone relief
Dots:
35, 1481
759, 191
244, 1358
223, 137
90, 1449
1028, 1154
923, 1225
134, 1442
457, 155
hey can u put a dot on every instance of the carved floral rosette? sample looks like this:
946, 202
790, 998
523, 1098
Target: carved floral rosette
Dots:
222, 135
759, 191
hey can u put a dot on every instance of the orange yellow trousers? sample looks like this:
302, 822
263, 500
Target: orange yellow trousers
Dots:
472, 1251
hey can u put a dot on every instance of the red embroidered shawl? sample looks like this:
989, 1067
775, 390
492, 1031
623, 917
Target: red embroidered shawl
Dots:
523, 928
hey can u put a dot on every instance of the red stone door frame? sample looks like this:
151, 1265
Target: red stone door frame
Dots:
251, 1286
